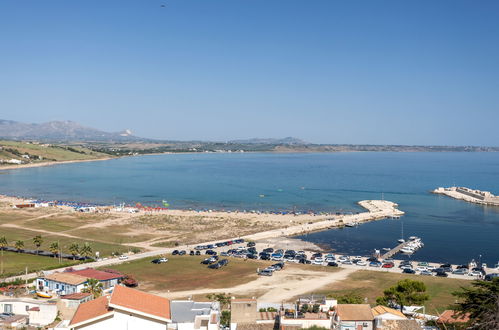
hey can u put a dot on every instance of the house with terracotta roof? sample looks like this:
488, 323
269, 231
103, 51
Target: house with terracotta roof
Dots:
353, 317
69, 282
125, 308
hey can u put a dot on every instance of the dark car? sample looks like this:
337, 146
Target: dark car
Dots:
462, 267
208, 261
268, 250
279, 265
372, 259
155, 261
198, 253
182, 253
441, 274
317, 255
304, 261
252, 250
191, 253
264, 256
445, 266
332, 264
215, 266
251, 244
223, 262
490, 277
175, 252
409, 271
210, 252
251, 256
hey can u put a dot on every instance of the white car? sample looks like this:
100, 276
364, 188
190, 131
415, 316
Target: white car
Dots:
318, 261
161, 260
421, 269
123, 257
361, 263
430, 268
343, 258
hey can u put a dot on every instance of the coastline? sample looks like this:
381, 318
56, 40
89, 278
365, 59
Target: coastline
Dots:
44, 164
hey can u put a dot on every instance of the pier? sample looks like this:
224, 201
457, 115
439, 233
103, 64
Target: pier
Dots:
469, 195
396, 249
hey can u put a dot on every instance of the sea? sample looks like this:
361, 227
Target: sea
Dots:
452, 230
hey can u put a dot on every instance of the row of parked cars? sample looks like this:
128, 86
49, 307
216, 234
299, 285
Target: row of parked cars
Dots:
214, 263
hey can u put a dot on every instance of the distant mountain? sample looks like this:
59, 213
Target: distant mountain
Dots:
60, 131
284, 141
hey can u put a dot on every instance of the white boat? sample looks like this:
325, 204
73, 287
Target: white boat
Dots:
401, 240
407, 250
386, 249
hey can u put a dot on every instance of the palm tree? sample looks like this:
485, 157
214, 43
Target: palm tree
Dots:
94, 287
19, 245
54, 248
37, 241
3, 244
74, 249
86, 250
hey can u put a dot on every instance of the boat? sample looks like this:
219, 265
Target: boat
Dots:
350, 225
407, 250
43, 294
386, 249
401, 240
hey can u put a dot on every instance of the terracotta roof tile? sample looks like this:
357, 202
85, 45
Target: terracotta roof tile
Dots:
90, 310
378, 310
354, 312
140, 301
67, 278
97, 274
76, 296
448, 317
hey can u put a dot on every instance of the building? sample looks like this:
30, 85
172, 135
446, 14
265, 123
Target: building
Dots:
353, 317
382, 315
242, 311
74, 281
125, 308
68, 304
449, 317
28, 311
190, 315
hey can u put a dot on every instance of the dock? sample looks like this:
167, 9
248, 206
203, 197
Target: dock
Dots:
395, 250
469, 195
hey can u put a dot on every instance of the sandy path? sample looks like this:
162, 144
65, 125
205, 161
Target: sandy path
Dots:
282, 286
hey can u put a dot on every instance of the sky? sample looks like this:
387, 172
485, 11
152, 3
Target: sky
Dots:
356, 72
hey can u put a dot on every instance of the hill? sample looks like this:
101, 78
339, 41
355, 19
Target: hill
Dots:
59, 131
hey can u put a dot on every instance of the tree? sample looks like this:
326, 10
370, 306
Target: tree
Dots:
19, 245
3, 244
74, 249
225, 318
350, 298
405, 293
94, 287
54, 248
222, 298
37, 241
481, 303
86, 250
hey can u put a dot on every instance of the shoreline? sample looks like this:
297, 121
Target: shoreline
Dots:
44, 164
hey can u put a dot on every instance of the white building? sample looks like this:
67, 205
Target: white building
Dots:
383, 314
353, 317
190, 315
39, 313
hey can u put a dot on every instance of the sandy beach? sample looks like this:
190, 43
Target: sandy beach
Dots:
43, 164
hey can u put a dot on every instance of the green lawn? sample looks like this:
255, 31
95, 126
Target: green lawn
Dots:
16, 263
371, 284
186, 273
14, 234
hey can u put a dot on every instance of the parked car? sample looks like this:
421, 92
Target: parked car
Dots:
426, 272
409, 271
460, 271
182, 253
251, 256
361, 263
210, 252
388, 265
123, 257
264, 256
441, 274
375, 264
265, 272
191, 253
215, 266
198, 253
175, 252
155, 261
223, 262
278, 266
332, 264
250, 244
490, 277
304, 261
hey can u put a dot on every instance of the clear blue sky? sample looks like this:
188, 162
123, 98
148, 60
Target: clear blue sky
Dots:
376, 72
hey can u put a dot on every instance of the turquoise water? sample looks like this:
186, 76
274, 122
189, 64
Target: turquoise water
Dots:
452, 230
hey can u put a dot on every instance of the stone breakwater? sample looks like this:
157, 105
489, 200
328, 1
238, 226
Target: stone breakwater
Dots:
376, 209
469, 195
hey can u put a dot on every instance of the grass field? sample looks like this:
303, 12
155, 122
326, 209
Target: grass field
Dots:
16, 263
371, 284
46, 152
14, 234
186, 273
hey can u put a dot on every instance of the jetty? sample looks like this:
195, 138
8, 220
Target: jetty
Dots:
469, 195
414, 243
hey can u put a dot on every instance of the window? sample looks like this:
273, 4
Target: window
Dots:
7, 308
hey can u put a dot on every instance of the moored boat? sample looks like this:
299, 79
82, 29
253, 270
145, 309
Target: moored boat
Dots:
43, 294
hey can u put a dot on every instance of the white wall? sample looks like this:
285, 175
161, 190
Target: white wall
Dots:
46, 315
121, 321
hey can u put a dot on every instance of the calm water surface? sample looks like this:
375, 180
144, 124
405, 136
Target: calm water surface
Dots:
452, 230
